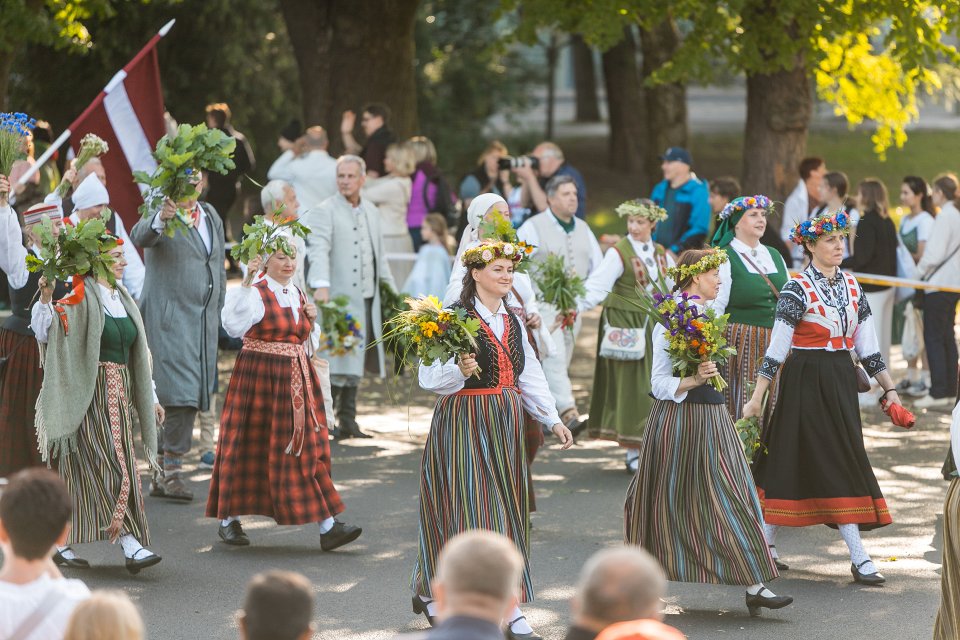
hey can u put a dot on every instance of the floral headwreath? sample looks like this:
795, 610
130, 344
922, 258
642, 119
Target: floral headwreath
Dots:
487, 252
746, 203
709, 262
811, 230
643, 208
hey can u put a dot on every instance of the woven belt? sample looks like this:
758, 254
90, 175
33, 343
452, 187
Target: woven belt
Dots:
492, 391
299, 384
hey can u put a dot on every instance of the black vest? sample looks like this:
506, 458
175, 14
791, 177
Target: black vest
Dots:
487, 354
22, 299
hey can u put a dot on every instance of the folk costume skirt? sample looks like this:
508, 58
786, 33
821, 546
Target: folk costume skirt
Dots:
741, 369
812, 467
253, 473
620, 400
947, 626
20, 381
101, 474
692, 504
473, 475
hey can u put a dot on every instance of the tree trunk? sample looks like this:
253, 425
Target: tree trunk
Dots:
552, 51
6, 64
666, 103
352, 53
625, 105
779, 108
584, 80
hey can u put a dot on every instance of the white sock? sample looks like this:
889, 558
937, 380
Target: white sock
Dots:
67, 553
851, 535
754, 589
432, 609
130, 545
520, 625
228, 520
326, 525
633, 455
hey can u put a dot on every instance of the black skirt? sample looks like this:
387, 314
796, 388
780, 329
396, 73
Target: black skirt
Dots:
812, 467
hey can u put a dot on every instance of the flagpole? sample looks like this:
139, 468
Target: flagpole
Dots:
63, 137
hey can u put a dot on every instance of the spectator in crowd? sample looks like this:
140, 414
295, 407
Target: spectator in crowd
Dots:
940, 265
475, 588
833, 198
391, 195
486, 177
432, 269
687, 201
557, 231
875, 253
35, 600
182, 297
307, 166
345, 254
106, 615
278, 606
223, 188
722, 191
617, 585
375, 124
802, 202
915, 228
550, 163
289, 134
430, 191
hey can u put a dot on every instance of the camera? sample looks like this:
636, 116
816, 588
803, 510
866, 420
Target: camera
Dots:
511, 163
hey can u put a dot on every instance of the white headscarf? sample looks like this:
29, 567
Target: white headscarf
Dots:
90, 193
475, 212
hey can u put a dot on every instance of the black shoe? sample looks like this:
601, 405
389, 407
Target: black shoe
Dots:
511, 635
755, 602
781, 566
156, 488
869, 579
419, 606
339, 535
134, 566
233, 534
73, 563
352, 430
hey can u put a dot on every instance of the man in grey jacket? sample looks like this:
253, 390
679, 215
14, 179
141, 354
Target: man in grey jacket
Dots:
346, 258
182, 297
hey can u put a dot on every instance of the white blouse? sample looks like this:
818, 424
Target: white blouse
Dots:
243, 307
446, 378
41, 315
663, 382
13, 255
601, 280
762, 259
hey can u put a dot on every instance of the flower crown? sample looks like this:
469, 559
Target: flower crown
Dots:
811, 230
709, 262
487, 252
643, 208
746, 203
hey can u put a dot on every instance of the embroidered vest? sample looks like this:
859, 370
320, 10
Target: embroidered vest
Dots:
751, 300
822, 326
277, 324
501, 360
626, 284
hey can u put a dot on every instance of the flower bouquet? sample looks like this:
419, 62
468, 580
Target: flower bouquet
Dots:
749, 428
14, 129
392, 304
500, 228
265, 238
341, 333
91, 146
432, 332
79, 250
560, 287
180, 161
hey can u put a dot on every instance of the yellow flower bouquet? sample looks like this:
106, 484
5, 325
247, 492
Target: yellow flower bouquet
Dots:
433, 332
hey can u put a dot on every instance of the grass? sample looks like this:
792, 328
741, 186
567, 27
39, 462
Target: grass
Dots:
926, 153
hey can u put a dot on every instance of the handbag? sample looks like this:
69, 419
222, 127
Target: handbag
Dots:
912, 340
623, 343
863, 380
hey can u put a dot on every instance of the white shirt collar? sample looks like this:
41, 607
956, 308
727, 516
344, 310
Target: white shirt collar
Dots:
280, 289
743, 247
641, 246
485, 313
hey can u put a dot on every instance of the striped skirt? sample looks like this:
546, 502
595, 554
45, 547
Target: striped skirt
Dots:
101, 473
947, 626
473, 476
20, 382
692, 503
741, 369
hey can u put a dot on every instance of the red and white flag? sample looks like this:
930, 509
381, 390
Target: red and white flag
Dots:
128, 115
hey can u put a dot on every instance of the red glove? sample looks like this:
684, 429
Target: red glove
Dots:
898, 414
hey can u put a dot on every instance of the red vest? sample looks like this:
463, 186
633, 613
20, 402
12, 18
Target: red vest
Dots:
822, 326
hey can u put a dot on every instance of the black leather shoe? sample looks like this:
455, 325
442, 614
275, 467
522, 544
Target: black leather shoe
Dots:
134, 565
73, 563
869, 579
352, 430
419, 606
755, 602
512, 635
233, 534
339, 535
781, 566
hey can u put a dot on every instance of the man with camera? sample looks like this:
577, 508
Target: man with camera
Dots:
536, 170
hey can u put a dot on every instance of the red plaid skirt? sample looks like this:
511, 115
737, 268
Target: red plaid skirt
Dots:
19, 387
252, 473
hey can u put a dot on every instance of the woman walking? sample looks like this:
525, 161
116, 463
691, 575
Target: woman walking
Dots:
97, 369
812, 467
474, 473
692, 504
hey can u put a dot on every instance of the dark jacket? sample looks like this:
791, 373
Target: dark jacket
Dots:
688, 214
874, 249
459, 628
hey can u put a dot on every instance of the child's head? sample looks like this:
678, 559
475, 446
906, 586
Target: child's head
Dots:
434, 229
35, 511
279, 606
106, 615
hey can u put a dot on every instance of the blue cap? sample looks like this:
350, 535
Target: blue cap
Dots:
677, 154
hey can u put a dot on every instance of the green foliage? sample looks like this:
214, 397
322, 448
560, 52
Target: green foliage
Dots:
179, 160
559, 286
265, 238
78, 250
57, 23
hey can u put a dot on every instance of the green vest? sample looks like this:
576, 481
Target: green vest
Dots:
751, 300
626, 284
118, 337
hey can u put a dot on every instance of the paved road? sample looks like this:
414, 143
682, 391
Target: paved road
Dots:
361, 590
